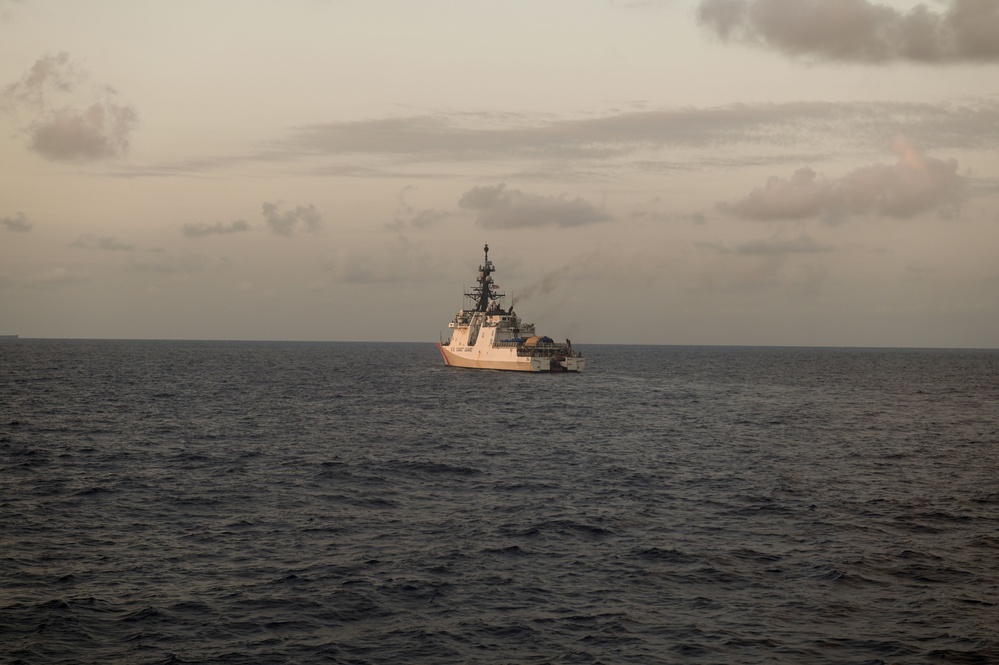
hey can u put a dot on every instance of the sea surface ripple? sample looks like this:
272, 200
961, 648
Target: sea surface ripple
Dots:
238, 502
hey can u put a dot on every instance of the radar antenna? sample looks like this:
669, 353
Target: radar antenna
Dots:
485, 292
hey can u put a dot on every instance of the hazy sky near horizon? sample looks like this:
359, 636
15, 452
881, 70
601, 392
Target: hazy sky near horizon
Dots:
775, 172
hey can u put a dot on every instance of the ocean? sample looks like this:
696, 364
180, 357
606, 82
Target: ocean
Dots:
251, 502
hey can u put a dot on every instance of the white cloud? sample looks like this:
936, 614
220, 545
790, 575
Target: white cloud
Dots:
915, 183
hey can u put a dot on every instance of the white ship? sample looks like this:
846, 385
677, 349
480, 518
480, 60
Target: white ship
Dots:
489, 337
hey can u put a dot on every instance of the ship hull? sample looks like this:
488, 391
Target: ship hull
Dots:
507, 359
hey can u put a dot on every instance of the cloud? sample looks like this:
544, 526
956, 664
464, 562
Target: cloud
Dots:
605, 145
95, 129
791, 266
408, 217
18, 223
603, 265
640, 4
600, 266
499, 208
657, 211
169, 264
400, 263
418, 220
424, 219
50, 74
219, 228
860, 30
108, 243
543, 286
97, 132
55, 276
914, 184
286, 223
802, 244
5, 15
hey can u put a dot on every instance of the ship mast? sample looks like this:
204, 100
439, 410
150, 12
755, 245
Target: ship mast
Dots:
485, 292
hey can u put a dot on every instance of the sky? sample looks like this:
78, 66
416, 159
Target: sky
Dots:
717, 172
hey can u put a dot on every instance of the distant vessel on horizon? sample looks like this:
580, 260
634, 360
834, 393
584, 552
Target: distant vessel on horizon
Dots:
489, 337
9, 336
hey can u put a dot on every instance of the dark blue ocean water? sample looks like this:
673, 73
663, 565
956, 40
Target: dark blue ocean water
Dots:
182, 502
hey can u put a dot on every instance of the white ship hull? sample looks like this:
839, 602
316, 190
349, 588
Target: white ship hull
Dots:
507, 359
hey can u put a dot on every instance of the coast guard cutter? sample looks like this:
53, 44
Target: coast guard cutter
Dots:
490, 337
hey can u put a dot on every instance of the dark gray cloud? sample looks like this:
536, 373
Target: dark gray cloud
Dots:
502, 208
18, 223
286, 223
611, 139
107, 243
219, 228
97, 132
449, 138
860, 30
599, 147
98, 128
915, 183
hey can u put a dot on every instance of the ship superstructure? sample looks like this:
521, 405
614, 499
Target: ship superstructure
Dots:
486, 336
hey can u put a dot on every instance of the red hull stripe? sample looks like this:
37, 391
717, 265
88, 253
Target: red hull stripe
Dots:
441, 349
